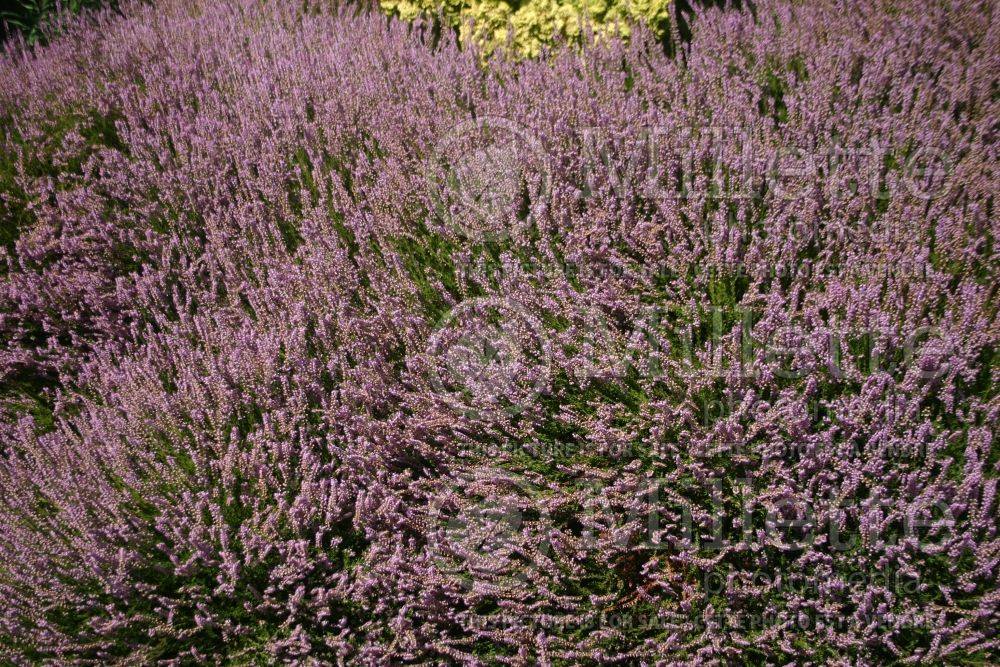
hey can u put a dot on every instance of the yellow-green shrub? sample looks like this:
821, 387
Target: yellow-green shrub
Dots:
535, 22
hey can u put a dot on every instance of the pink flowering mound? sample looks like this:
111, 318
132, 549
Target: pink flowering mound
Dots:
323, 341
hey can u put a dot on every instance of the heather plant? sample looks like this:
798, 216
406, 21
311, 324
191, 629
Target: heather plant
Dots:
327, 341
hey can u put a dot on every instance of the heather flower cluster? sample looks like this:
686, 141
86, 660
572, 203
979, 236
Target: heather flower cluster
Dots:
325, 340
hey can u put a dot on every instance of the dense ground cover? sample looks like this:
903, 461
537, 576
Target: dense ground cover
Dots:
324, 342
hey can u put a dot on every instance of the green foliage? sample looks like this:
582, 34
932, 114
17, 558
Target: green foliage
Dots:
32, 17
531, 24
